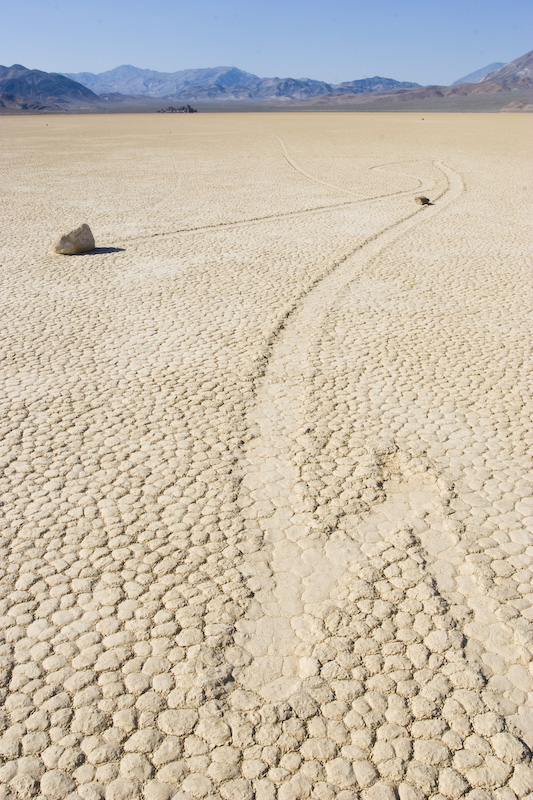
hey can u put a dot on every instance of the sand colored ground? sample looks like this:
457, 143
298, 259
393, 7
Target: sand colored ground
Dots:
266, 500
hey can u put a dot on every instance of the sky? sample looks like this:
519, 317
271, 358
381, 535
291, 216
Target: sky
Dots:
334, 40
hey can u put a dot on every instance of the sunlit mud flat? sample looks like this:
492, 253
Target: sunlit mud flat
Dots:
266, 488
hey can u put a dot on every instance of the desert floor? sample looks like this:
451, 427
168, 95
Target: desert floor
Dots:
265, 490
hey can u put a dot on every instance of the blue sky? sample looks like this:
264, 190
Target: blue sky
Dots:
417, 40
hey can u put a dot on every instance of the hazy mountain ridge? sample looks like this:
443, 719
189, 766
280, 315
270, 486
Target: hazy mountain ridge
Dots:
222, 83
131, 88
517, 74
129, 80
479, 74
44, 88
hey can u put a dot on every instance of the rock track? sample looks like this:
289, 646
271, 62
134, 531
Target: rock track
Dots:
342, 560
360, 199
275, 492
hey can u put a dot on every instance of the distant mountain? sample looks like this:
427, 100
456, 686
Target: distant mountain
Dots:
221, 83
414, 95
375, 84
130, 80
43, 88
512, 77
130, 88
479, 74
517, 74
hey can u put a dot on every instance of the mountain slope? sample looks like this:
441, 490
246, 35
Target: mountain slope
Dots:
16, 102
517, 74
44, 87
479, 74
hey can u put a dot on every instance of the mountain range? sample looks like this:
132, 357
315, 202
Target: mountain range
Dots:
221, 83
132, 87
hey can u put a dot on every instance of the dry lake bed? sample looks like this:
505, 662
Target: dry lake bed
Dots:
265, 458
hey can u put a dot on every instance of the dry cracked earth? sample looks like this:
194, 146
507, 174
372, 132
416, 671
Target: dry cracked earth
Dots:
266, 490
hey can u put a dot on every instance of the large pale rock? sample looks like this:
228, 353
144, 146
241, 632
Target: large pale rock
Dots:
79, 241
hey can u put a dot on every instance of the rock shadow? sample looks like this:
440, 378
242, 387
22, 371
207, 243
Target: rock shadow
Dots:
101, 250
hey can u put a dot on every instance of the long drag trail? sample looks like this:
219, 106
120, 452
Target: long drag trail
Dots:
340, 519
305, 564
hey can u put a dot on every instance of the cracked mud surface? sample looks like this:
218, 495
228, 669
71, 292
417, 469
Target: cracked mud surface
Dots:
265, 468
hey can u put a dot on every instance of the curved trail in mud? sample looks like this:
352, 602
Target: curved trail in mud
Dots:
422, 186
305, 565
358, 200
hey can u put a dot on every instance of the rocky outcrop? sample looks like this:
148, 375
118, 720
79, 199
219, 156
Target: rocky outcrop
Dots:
181, 110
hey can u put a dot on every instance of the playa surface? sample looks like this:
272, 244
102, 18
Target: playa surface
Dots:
266, 495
